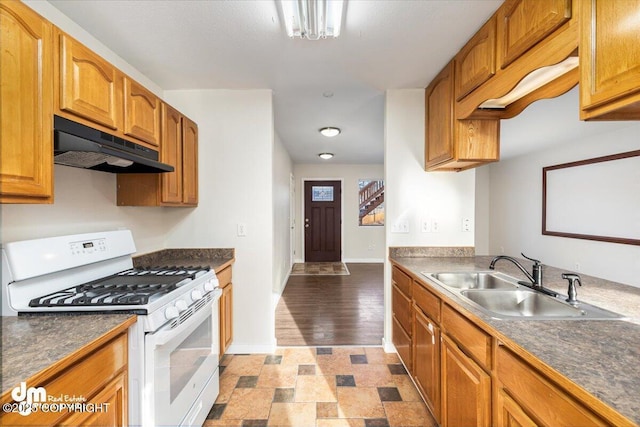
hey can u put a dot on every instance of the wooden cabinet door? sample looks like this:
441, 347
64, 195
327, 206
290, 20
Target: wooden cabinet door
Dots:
509, 413
426, 360
226, 318
523, 23
610, 58
476, 61
439, 118
89, 85
189, 162
26, 90
466, 389
141, 113
171, 154
114, 395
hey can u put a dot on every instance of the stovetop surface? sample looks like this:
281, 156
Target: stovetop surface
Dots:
134, 286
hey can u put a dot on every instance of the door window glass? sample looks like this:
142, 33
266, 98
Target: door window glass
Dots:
321, 193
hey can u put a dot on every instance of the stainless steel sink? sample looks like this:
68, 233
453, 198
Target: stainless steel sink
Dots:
475, 280
527, 304
500, 296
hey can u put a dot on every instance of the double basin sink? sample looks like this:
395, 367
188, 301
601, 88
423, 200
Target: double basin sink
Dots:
502, 297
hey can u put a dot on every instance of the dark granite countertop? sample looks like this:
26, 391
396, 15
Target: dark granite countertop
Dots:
601, 356
33, 343
215, 258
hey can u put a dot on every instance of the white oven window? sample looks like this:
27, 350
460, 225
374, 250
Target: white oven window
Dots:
187, 358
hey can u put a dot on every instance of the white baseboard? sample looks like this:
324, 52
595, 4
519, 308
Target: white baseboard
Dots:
364, 260
251, 348
388, 346
353, 260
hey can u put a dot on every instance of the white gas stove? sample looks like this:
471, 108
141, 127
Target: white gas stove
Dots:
173, 348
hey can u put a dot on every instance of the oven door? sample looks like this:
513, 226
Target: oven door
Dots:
180, 363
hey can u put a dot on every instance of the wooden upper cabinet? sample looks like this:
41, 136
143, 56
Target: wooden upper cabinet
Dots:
609, 60
171, 154
451, 144
439, 118
26, 89
179, 148
524, 23
89, 85
189, 162
142, 113
476, 61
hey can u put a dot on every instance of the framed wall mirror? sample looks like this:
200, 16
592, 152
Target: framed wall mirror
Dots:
593, 199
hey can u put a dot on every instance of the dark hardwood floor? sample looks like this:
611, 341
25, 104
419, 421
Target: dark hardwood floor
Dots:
333, 310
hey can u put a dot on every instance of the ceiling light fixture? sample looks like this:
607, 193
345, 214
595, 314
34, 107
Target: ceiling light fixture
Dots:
312, 19
329, 131
325, 156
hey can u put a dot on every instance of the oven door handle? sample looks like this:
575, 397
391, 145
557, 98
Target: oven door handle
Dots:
166, 334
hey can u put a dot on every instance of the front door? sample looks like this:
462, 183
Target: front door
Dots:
322, 221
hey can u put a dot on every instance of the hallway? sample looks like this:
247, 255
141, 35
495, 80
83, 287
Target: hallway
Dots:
319, 310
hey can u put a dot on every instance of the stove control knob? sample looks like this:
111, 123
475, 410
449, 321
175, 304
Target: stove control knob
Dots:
209, 286
196, 294
171, 313
181, 305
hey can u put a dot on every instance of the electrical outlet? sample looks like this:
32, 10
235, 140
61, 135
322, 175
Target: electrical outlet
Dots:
577, 266
466, 224
242, 229
435, 226
426, 226
400, 227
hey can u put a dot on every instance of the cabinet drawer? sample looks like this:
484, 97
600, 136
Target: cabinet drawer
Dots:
402, 342
427, 302
224, 277
471, 338
402, 280
538, 396
401, 308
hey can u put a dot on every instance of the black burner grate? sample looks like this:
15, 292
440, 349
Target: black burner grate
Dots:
135, 286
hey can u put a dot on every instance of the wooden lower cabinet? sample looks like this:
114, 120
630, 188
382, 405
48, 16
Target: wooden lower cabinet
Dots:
98, 376
426, 360
466, 389
113, 394
531, 394
508, 413
226, 309
468, 376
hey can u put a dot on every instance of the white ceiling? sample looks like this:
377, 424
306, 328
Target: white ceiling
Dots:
385, 44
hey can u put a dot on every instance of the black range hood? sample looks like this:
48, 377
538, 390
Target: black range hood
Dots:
80, 146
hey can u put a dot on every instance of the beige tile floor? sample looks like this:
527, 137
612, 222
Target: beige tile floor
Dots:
317, 387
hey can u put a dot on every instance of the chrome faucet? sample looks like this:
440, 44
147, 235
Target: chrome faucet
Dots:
535, 277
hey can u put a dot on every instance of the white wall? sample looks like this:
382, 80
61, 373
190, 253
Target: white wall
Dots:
359, 244
414, 195
516, 212
236, 145
282, 170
